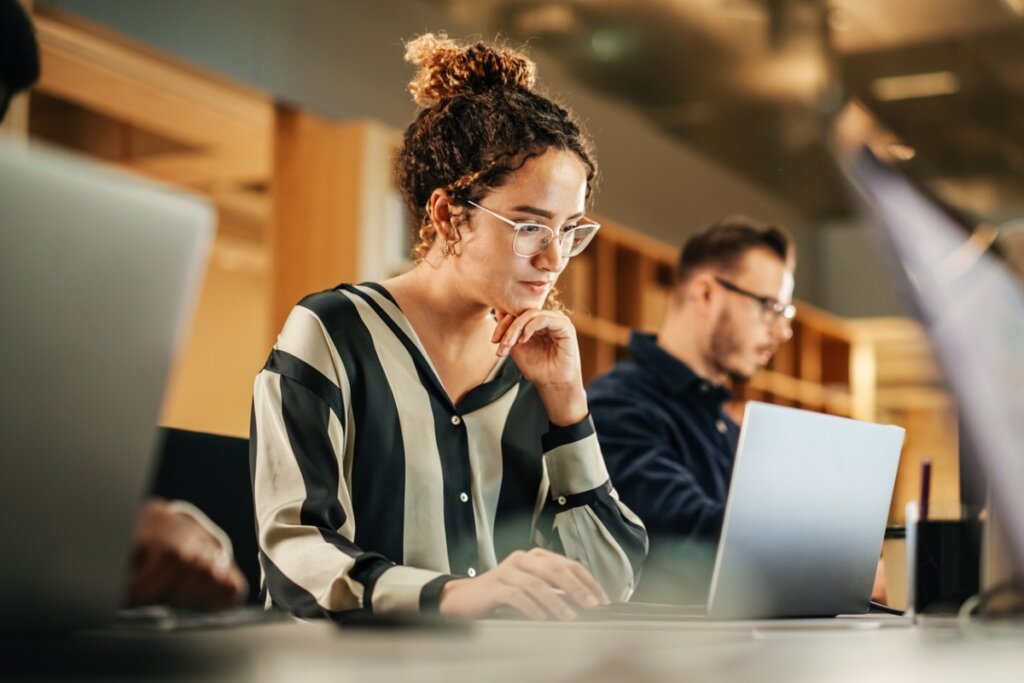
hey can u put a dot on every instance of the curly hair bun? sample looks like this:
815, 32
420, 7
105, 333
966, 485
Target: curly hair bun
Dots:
448, 69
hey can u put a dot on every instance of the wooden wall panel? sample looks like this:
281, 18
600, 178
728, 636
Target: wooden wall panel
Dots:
126, 81
317, 197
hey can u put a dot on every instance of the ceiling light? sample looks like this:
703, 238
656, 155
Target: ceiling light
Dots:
901, 151
838, 19
609, 45
915, 85
1016, 6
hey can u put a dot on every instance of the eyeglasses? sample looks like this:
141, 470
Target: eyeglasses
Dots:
533, 238
772, 310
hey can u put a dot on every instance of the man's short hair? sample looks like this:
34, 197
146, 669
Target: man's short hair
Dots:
19, 53
723, 243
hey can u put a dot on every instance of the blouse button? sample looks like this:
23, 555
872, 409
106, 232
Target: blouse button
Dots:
471, 572
456, 420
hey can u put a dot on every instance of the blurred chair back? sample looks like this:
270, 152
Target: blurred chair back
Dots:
212, 472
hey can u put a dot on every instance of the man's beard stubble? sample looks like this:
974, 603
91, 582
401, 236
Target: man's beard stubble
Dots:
723, 345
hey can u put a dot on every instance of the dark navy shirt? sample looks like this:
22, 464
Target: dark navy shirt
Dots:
667, 441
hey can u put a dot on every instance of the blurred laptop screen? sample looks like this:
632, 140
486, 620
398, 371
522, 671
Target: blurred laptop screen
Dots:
970, 301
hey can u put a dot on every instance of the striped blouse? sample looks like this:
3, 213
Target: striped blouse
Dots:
372, 490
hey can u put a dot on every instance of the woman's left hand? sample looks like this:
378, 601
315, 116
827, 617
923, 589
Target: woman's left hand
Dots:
544, 347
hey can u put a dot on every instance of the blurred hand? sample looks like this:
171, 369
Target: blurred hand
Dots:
178, 562
538, 583
544, 347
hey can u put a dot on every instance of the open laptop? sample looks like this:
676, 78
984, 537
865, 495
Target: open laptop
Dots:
804, 519
98, 275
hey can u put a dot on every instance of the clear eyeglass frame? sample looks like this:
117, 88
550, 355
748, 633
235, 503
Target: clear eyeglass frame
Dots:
532, 238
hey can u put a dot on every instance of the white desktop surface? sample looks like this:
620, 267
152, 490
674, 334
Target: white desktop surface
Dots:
496, 651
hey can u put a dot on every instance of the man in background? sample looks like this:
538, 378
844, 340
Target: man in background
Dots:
661, 415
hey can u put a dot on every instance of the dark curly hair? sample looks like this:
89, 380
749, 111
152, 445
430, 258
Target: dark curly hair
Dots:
481, 120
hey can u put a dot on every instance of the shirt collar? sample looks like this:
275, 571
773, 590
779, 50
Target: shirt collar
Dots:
668, 371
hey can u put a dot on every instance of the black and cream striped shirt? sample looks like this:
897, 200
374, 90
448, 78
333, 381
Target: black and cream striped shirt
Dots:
372, 490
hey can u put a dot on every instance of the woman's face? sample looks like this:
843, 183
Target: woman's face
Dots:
549, 189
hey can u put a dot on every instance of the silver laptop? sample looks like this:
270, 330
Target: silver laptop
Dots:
98, 275
805, 516
804, 520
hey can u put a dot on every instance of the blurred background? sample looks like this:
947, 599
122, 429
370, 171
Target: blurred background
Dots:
285, 113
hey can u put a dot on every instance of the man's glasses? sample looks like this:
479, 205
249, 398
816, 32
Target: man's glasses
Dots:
772, 310
533, 238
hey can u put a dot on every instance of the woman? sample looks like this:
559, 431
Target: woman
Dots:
425, 443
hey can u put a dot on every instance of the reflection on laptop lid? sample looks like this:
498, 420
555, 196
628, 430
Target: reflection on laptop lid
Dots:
98, 274
805, 516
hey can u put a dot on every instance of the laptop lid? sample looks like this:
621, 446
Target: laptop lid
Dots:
98, 274
969, 299
805, 515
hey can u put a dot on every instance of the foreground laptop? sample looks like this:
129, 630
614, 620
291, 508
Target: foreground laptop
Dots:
804, 519
98, 275
968, 292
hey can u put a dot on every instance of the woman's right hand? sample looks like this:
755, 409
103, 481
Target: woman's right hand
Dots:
538, 583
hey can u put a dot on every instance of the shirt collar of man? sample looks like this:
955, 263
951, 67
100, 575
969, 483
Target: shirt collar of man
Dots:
668, 371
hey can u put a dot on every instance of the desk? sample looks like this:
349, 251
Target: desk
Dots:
497, 651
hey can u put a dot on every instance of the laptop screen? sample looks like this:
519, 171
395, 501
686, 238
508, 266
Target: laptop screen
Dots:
99, 273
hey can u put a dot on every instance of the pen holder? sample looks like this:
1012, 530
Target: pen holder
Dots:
944, 561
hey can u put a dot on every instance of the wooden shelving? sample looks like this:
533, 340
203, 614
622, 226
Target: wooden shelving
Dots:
121, 102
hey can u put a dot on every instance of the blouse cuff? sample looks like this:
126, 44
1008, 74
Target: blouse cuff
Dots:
408, 589
430, 596
573, 459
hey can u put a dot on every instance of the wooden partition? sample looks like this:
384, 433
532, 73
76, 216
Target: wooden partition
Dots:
303, 202
336, 214
123, 103
317, 189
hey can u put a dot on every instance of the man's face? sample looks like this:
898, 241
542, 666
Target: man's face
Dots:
743, 336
